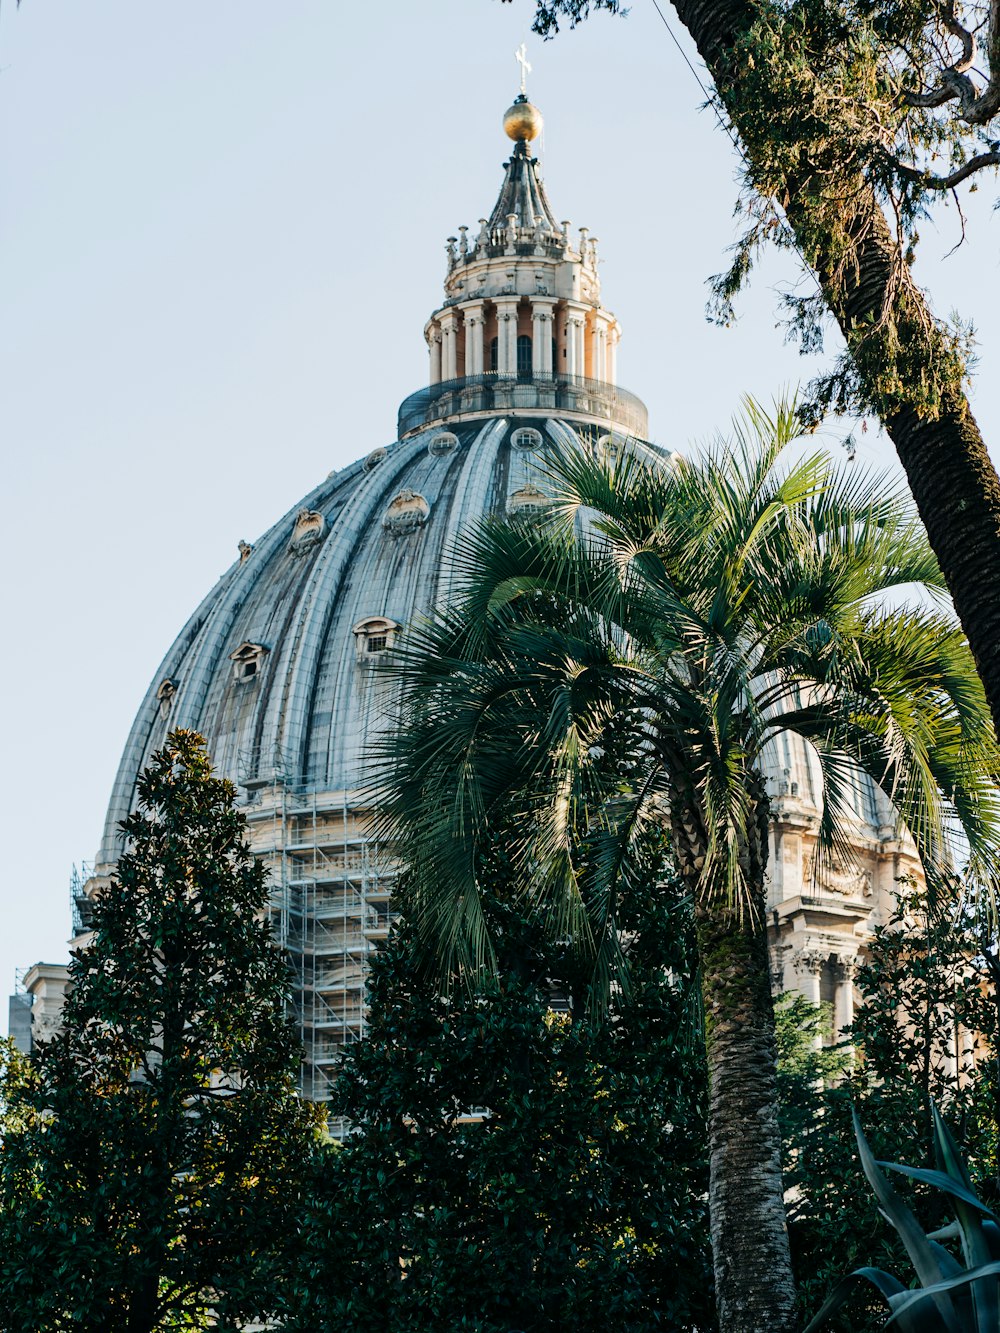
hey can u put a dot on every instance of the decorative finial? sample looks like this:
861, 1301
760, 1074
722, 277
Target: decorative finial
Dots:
521, 56
522, 121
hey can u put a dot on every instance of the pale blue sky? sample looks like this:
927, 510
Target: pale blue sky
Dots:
222, 229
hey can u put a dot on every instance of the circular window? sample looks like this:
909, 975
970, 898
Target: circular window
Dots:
526, 439
373, 459
442, 443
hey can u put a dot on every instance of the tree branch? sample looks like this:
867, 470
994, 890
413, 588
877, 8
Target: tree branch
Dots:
932, 182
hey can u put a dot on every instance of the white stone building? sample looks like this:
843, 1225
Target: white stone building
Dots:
274, 666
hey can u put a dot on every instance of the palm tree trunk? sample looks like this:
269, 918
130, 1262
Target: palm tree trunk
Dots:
951, 477
751, 1260
755, 1290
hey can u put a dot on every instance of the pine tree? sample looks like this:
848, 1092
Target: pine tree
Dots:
159, 1146
512, 1165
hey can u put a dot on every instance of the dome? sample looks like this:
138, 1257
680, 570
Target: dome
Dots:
274, 668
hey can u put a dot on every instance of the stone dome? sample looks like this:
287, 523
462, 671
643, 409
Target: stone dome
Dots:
274, 666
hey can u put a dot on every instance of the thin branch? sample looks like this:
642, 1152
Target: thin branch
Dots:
961, 218
932, 182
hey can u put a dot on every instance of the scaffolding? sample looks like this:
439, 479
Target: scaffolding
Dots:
330, 905
80, 900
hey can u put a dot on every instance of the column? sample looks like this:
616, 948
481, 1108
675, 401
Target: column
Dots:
843, 1003
507, 337
575, 317
614, 338
541, 338
600, 349
474, 344
433, 335
449, 344
807, 968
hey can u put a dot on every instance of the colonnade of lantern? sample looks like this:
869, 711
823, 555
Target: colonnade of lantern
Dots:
534, 337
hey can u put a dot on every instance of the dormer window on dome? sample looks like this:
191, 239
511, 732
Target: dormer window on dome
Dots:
527, 500
407, 512
165, 694
309, 528
374, 458
526, 440
442, 442
374, 635
247, 661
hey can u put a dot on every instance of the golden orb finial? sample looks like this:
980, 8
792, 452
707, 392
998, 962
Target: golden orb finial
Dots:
522, 121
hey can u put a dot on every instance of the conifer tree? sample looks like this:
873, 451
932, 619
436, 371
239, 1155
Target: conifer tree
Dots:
512, 1165
158, 1146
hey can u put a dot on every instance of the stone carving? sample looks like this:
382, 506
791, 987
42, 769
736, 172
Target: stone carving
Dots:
527, 499
847, 881
245, 550
809, 961
407, 512
847, 967
374, 458
309, 528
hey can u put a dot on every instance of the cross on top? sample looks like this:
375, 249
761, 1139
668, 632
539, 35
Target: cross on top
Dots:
521, 56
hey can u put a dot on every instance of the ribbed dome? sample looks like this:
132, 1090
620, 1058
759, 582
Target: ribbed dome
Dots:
274, 666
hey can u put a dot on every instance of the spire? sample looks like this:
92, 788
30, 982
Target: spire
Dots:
522, 193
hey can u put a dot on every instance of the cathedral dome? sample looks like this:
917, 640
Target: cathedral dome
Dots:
274, 668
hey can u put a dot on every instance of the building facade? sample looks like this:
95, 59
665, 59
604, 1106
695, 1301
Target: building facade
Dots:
275, 667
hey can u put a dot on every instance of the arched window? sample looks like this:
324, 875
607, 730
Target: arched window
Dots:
494, 354
523, 356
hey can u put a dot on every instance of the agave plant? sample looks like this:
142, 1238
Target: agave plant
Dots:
952, 1297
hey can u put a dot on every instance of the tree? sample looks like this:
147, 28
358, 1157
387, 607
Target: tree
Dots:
843, 110
583, 687
162, 1143
922, 997
573, 1197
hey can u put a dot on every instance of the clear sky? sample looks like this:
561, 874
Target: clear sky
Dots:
222, 230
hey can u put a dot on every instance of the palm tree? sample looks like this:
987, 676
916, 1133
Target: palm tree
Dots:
628, 659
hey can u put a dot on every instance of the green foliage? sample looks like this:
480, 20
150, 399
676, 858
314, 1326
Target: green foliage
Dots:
952, 1297
921, 994
588, 688
690, 626
154, 1151
573, 1198
925, 1000
549, 12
